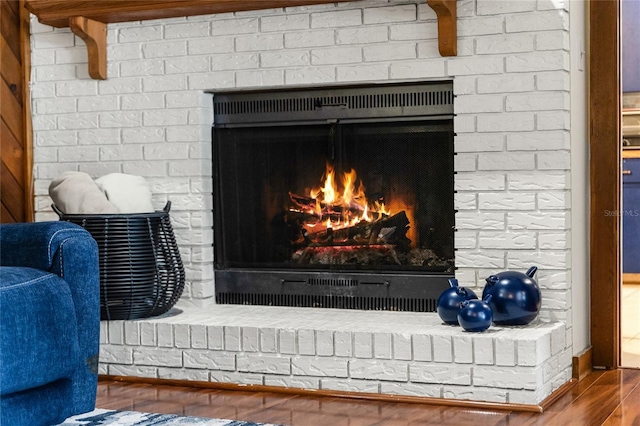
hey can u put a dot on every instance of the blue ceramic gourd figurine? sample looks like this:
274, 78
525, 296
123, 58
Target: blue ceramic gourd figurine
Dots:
475, 315
449, 301
515, 298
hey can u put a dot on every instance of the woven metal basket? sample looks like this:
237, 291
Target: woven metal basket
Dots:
141, 271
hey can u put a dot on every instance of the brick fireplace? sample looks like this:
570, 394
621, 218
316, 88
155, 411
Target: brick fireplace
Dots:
519, 163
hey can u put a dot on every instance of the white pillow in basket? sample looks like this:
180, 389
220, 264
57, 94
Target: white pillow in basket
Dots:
129, 193
76, 193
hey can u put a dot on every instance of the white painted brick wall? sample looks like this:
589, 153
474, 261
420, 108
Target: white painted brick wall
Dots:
151, 117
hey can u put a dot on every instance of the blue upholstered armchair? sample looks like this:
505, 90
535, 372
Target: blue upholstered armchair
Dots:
49, 322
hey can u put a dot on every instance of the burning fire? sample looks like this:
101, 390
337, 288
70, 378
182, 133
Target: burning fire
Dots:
337, 210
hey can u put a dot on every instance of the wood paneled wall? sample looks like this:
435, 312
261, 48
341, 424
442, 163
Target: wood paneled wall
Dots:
16, 192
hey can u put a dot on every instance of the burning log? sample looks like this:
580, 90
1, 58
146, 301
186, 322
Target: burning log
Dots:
302, 201
359, 234
392, 230
328, 210
395, 229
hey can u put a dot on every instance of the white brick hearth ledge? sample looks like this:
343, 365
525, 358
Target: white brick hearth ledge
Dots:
371, 352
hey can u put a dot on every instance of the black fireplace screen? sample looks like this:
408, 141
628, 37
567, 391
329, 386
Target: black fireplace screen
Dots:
316, 205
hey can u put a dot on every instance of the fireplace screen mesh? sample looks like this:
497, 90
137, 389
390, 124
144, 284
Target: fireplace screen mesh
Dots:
334, 212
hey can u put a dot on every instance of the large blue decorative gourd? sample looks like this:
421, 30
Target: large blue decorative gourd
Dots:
448, 304
475, 315
515, 297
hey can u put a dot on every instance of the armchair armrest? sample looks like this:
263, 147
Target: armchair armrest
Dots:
35, 244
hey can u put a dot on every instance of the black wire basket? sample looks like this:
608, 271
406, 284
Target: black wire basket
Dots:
141, 271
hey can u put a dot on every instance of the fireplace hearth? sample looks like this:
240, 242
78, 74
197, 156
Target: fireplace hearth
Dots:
335, 197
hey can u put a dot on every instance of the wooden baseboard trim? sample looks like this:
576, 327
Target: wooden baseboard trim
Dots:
482, 405
582, 364
631, 279
557, 394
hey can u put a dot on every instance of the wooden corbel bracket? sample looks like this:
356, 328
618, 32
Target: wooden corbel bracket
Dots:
94, 34
447, 26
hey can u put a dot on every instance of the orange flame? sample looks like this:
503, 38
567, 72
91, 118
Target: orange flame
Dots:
347, 208
329, 190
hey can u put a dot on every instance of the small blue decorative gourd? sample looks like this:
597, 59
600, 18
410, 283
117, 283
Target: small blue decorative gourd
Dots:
516, 297
475, 315
449, 301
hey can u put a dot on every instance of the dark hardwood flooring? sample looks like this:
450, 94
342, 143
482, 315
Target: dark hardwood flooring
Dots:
602, 398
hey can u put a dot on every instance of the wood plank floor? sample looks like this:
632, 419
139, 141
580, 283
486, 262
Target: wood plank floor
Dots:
602, 398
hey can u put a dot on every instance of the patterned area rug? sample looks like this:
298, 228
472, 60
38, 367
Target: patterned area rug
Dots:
100, 417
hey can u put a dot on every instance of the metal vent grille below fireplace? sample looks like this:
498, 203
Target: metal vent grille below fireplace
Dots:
336, 302
333, 282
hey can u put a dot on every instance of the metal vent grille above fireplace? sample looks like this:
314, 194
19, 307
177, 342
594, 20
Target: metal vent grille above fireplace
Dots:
423, 100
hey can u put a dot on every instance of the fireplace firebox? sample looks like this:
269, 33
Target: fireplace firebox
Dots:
335, 197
